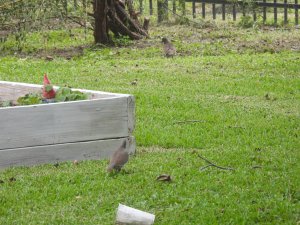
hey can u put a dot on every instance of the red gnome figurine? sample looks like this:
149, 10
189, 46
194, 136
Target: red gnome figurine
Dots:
48, 91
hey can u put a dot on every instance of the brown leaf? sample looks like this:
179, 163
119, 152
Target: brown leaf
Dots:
164, 177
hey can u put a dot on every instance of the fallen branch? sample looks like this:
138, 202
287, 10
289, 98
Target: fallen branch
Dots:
212, 164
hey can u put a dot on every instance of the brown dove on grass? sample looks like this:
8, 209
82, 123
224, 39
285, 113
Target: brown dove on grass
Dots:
169, 49
118, 159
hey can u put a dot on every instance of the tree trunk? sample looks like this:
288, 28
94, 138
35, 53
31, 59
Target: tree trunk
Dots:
111, 15
100, 15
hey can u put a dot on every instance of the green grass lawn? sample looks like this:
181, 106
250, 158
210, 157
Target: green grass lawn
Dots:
242, 87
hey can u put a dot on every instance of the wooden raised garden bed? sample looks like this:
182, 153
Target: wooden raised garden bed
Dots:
77, 130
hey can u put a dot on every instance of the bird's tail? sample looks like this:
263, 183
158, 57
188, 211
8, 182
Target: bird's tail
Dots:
124, 144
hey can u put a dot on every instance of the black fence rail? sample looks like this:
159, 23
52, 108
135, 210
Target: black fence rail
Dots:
255, 5
234, 7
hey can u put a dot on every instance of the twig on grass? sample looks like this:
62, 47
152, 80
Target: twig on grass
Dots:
204, 167
212, 164
190, 121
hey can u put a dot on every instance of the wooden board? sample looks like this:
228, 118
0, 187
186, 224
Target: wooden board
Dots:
100, 149
67, 122
63, 122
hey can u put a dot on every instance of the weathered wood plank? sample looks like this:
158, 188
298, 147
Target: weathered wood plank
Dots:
99, 118
63, 122
100, 149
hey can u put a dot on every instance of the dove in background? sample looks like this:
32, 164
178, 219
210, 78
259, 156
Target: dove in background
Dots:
169, 49
118, 159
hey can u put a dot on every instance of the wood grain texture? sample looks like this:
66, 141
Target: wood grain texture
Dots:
63, 122
100, 149
105, 116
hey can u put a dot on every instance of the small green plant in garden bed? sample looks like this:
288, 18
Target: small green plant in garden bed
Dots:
30, 99
6, 103
63, 94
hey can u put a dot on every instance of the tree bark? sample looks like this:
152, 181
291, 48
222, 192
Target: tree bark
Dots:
111, 15
100, 15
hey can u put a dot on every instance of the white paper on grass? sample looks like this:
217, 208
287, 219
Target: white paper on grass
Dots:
128, 215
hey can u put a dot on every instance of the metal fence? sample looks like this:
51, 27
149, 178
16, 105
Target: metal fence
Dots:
289, 9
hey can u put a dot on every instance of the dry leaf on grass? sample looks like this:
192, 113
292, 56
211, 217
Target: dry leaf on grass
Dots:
164, 177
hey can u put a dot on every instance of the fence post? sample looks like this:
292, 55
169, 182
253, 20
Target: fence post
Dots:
285, 12
223, 11
214, 10
203, 10
244, 9
194, 9
162, 10
234, 12
182, 6
254, 13
264, 12
151, 7
275, 12
141, 6
296, 13
174, 6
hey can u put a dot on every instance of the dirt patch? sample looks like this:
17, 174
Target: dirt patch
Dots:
49, 55
67, 53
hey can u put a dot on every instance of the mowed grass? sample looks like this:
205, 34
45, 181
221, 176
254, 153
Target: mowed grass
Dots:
245, 105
